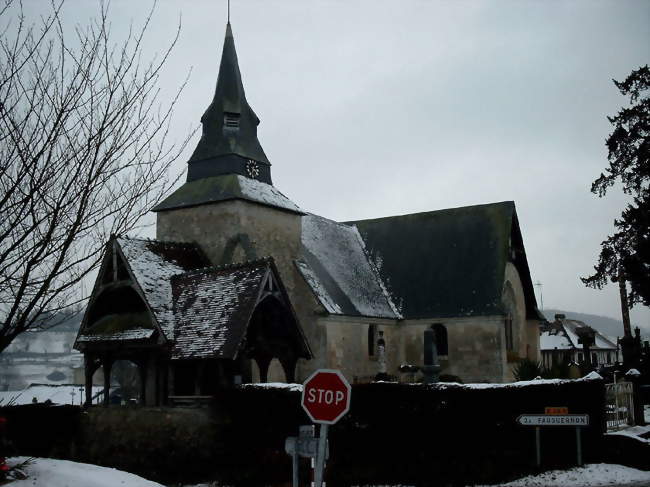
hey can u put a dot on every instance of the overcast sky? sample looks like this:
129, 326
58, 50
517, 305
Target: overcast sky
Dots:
377, 108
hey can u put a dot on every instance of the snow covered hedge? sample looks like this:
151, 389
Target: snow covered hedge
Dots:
395, 433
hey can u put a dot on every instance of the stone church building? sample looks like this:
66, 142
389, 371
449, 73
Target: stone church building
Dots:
242, 285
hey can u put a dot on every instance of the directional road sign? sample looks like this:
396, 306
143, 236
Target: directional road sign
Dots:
553, 420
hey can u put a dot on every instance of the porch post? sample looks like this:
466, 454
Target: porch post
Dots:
263, 363
170, 381
107, 364
142, 369
198, 377
289, 367
89, 371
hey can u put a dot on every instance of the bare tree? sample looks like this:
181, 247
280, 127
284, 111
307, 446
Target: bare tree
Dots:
83, 154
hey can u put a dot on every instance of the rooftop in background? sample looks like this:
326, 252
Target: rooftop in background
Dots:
562, 334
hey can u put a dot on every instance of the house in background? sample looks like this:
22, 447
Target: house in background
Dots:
43, 356
242, 285
560, 343
50, 394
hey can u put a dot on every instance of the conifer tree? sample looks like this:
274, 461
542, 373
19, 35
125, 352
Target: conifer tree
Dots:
625, 255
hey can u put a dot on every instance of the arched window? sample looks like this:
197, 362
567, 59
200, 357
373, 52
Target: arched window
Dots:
510, 342
442, 345
511, 321
372, 333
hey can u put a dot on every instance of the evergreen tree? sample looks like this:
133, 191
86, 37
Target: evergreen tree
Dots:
626, 253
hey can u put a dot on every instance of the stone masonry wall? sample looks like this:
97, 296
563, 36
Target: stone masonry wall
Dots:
238, 230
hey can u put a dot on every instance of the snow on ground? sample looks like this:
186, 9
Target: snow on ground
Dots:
633, 432
591, 475
47, 472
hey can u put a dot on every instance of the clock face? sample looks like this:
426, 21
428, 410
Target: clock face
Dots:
252, 169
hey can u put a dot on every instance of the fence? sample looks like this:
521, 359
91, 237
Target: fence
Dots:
619, 405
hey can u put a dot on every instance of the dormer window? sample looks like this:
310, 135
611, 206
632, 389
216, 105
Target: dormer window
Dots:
231, 120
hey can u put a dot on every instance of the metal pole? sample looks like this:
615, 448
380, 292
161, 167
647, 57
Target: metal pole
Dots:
616, 401
538, 447
320, 461
295, 466
579, 445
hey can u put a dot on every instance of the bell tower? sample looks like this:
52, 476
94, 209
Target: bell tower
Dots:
229, 143
228, 204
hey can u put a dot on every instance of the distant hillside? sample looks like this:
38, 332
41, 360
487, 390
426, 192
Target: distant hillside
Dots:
68, 320
605, 325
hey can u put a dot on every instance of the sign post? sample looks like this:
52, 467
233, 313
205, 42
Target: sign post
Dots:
555, 417
326, 399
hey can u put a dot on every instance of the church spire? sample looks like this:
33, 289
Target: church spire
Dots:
229, 142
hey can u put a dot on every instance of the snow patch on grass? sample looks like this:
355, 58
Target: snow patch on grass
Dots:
47, 472
591, 475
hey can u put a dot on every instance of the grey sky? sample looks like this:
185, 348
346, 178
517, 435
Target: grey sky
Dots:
377, 108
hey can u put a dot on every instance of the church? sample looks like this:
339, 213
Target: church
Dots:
243, 285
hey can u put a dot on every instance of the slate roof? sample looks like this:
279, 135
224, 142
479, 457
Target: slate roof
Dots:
229, 96
153, 264
335, 265
213, 307
448, 263
227, 187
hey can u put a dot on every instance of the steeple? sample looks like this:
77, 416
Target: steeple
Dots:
228, 162
229, 142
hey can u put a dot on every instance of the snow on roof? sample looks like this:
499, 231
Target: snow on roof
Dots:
601, 342
260, 192
604, 342
131, 334
553, 339
212, 309
153, 264
563, 335
335, 265
56, 394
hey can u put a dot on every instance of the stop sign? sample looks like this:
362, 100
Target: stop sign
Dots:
326, 396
